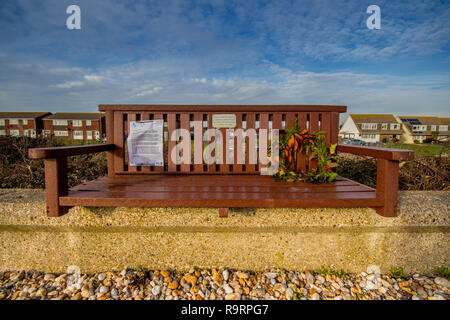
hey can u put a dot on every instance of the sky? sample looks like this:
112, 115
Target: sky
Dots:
226, 52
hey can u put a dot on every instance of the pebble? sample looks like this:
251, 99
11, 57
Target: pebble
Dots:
156, 290
101, 276
219, 284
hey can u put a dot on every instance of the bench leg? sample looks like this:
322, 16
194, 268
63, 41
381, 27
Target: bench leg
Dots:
55, 185
223, 212
387, 187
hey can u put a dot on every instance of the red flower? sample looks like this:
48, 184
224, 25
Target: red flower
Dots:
328, 168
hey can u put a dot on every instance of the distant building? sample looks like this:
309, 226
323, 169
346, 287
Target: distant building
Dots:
27, 124
76, 126
421, 128
372, 128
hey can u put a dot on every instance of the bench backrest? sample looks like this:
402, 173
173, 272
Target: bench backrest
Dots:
118, 118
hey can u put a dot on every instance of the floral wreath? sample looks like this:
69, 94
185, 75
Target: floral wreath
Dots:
292, 142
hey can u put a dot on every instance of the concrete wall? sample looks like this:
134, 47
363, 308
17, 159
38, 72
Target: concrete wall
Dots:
100, 239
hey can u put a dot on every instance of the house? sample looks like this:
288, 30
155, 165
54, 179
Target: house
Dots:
77, 126
372, 128
421, 128
27, 124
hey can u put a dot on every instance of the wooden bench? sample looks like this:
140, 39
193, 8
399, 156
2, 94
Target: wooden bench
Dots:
220, 186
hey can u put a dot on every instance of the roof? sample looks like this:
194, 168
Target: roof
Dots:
75, 116
22, 115
414, 120
445, 121
373, 118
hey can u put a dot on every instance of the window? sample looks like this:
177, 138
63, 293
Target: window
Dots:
395, 126
443, 128
13, 121
368, 136
61, 133
25, 133
24, 121
420, 128
60, 123
77, 123
97, 134
14, 132
384, 126
78, 135
88, 123
2, 132
32, 133
2, 122
46, 132
369, 126
89, 135
433, 128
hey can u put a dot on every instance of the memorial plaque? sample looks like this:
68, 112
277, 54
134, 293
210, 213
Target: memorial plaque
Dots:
224, 120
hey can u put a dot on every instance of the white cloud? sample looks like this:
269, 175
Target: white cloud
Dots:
70, 84
149, 92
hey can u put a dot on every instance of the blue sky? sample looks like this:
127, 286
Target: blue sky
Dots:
226, 52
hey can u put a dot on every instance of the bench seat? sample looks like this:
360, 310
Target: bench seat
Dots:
217, 191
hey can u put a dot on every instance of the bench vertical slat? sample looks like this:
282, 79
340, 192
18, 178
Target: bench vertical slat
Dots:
325, 125
301, 156
263, 124
250, 124
313, 127
131, 117
237, 168
145, 116
185, 124
334, 129
110, 140
158, 116
224, 167
211, 142
171, 127
198, 143
119, 142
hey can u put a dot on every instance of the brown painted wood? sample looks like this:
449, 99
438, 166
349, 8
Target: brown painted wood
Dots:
131, 117
185, 124
301, 155
119, 140
379, 153
109, 122
325, 125
171, 127
58, 152
250, 124
387, 187
223, 212
263, 124
198, 143
220, 108
55, 186
237, 168
334, 127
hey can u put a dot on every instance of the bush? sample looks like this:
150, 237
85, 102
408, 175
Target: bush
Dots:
18, 171
424, 173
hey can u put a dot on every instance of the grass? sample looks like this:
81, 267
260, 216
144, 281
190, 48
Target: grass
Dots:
398, 273
326, 270
442, 271
421, 150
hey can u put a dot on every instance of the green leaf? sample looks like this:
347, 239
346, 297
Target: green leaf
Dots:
333, 148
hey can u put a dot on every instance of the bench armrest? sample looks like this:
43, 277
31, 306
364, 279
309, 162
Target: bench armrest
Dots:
58, 152
379, 153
